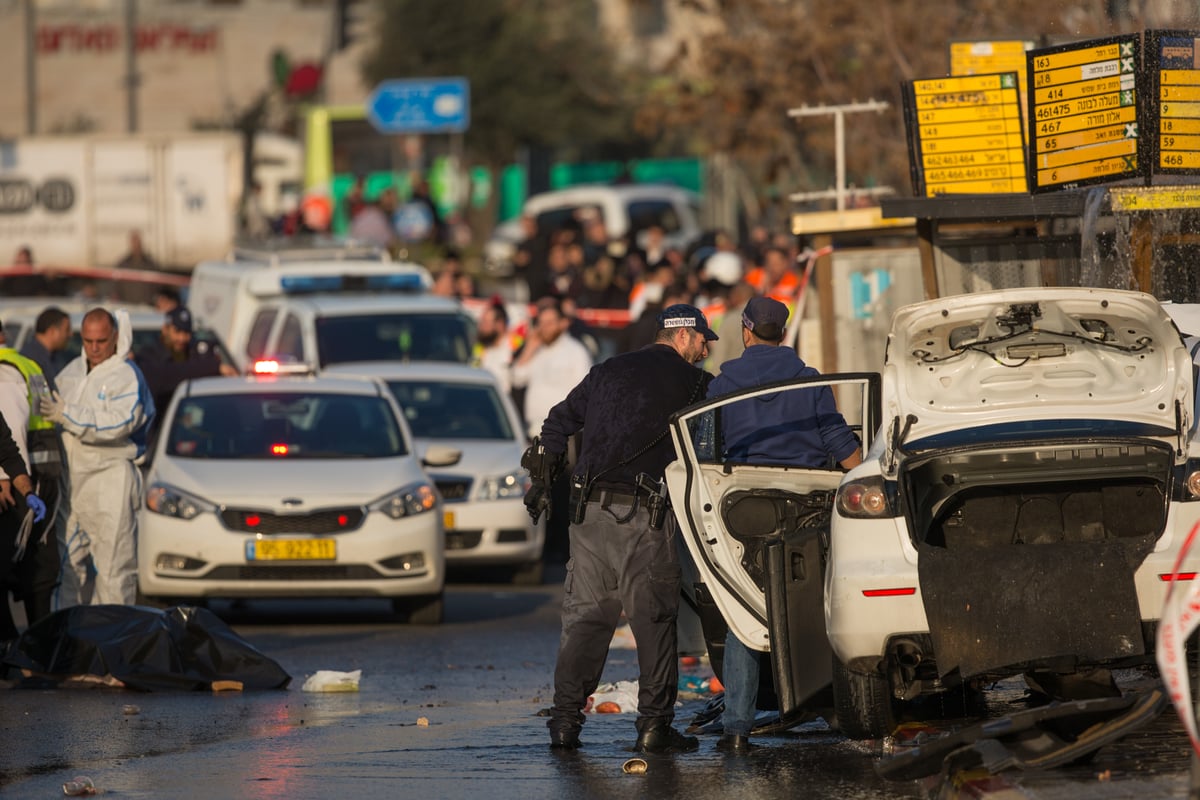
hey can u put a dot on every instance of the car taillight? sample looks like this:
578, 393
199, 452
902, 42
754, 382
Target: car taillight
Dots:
864, 499
1192, 484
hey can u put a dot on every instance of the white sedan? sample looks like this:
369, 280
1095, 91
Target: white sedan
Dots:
464, 408
291, 487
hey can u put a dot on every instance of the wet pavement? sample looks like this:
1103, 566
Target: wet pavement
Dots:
448, 711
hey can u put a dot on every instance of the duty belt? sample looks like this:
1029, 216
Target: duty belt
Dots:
608, 498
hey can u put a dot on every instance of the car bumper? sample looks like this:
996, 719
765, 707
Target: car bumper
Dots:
491, 532
368, 562
873, 555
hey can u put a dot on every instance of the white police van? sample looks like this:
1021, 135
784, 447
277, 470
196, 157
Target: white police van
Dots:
328, 306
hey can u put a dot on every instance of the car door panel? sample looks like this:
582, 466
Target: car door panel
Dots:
758, 534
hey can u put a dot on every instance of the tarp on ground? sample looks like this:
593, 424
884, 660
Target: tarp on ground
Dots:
179, 648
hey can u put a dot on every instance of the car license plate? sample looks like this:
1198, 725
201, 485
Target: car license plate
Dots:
291, 550
448, 520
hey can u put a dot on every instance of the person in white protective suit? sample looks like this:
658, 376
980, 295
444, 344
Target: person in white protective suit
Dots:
105, 409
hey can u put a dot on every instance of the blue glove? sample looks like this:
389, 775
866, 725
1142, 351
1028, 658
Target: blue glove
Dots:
39, 507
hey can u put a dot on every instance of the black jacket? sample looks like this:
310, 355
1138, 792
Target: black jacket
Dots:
623, 406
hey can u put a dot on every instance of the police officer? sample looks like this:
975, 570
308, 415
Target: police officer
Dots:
35, 575
622, 557
176, 357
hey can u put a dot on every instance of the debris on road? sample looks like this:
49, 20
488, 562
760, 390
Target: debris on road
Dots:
327, 680
1053, 735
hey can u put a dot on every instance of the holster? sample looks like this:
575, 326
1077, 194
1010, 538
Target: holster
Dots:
580, 489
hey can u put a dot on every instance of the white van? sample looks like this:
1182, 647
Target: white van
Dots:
327, 306
624, 208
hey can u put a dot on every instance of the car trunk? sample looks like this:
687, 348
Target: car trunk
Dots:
1027, 552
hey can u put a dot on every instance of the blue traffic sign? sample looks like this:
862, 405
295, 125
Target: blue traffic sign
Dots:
420, 105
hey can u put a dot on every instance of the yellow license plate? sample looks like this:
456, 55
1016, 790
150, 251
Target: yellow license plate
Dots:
291, 550
448, 520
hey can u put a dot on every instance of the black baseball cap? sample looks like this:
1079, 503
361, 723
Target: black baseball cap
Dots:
766, 318
682, 315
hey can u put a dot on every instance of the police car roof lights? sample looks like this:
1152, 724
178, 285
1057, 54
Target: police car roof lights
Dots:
383, 282
270, 367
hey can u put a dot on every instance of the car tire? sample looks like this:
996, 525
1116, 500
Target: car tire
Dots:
425, 610
531, 574
863, 703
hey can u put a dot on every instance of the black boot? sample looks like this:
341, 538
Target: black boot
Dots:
734, 744
564, 738
665, 739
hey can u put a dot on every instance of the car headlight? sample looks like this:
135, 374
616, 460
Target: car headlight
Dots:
502, 487
864, 499
414, 499
162, 498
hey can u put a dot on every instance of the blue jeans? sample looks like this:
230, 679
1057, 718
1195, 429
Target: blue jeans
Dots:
740, 669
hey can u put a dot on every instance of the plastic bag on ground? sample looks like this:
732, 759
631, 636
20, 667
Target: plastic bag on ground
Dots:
328, 680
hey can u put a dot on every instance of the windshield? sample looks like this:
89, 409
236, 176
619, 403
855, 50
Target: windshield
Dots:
437, 410
445, 336
285, 425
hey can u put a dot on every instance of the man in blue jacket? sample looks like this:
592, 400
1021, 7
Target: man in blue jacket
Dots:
800, 428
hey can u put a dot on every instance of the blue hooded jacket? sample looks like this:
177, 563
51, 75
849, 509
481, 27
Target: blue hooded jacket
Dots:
797, 428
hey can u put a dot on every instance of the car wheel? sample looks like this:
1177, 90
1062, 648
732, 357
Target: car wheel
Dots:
863, 703
425, 610
530, 574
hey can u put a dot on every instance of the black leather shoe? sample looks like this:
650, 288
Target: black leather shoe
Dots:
735, 744
565, 740
665, 739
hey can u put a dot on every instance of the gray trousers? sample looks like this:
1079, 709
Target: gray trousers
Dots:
617, 566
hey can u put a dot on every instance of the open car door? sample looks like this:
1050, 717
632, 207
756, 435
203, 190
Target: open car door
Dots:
759, 534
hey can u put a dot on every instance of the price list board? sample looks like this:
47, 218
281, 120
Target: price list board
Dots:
1083, 113
965, 135
1173, 102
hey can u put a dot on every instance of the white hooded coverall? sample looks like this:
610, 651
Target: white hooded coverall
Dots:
106, 414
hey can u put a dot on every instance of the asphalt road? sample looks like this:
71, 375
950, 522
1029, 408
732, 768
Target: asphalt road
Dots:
447, 711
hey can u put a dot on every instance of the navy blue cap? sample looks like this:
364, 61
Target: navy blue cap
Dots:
766, 318
681, 315
180, 319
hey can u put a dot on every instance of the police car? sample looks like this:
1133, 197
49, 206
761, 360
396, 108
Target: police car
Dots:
1020, 509
282, 486
328, 306
464, 408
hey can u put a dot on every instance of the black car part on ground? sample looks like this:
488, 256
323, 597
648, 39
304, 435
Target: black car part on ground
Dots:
178, 648
1040, 738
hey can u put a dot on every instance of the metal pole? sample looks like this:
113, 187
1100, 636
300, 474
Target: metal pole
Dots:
131, 75
30, 67
839, 138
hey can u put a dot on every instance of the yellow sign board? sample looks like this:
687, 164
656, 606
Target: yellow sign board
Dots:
1173, 64
1154, 198
966, 134
1083, 113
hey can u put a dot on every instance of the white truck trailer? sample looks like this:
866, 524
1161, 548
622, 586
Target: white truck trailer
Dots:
74, 200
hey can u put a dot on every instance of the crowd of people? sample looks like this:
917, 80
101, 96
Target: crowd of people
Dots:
80, 430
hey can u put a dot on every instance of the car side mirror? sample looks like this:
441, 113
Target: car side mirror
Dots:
437, 455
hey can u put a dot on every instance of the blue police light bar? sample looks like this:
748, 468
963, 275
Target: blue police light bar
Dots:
309, 284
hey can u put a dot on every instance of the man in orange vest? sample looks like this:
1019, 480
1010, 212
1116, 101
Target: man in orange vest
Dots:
777, 277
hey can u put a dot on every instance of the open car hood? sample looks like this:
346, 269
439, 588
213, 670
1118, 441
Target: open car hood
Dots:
1026, 356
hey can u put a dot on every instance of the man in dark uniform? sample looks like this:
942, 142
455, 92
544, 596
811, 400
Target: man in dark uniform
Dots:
621, 558
176, 357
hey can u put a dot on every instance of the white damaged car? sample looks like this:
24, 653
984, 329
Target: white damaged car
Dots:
1019, 510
